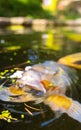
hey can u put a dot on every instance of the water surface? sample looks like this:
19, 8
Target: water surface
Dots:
30, 47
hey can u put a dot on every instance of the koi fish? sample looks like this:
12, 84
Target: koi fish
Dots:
34, 77
50, 78
53, 77
56, 74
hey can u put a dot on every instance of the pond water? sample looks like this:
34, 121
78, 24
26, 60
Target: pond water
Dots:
30, 47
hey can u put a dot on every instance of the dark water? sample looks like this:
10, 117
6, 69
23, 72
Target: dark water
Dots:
34, 47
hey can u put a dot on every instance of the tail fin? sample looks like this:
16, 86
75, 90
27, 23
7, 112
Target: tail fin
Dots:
64, 105
75, 111
73, 60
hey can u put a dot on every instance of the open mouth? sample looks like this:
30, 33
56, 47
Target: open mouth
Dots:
25, 89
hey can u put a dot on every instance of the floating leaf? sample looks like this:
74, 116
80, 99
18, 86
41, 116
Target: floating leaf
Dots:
22, 116
6, 115
28, 61
13, 80
12, 70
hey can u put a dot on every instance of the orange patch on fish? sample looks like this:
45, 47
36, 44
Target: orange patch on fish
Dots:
47, 84
15, 90
60, 101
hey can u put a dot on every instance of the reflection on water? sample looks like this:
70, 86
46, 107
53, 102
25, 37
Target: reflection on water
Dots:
37, 46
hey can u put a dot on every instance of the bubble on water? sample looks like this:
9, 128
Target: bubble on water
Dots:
2, 41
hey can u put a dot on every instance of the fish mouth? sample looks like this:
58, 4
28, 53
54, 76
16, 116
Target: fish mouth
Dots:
33, 86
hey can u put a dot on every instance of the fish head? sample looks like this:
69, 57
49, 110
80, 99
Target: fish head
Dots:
31, 79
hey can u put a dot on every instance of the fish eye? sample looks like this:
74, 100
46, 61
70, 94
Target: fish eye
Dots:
37, 93
21, 85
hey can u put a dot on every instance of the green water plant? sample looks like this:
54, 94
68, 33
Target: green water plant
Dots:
6, 115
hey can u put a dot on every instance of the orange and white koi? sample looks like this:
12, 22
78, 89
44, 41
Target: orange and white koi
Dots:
50, 71
53, 80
